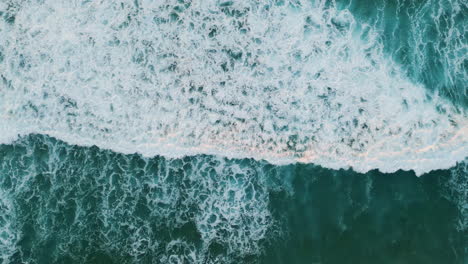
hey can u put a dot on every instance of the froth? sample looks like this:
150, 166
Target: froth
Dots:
282, 81
131, 208
8, 231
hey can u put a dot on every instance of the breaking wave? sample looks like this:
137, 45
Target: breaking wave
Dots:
283, 81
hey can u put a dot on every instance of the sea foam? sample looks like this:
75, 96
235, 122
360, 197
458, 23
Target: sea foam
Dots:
284, 81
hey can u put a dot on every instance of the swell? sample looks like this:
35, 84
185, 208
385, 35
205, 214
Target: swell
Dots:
284, 81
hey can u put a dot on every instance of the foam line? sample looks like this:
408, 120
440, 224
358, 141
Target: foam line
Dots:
282, 81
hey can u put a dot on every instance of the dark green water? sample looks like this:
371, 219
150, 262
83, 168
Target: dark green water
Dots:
344, 79
69, 204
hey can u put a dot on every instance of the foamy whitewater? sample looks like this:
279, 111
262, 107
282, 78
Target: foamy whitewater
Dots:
296, 82
179, 131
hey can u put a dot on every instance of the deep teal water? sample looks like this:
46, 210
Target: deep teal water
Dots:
69, 204
427, 37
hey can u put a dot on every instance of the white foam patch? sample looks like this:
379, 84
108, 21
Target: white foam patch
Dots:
8, 233
282, 81
235, 201
228, 203
157, 210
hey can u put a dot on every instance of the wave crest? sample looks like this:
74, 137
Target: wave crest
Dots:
281, 81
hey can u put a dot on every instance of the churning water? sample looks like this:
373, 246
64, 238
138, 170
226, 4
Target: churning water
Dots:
269, 131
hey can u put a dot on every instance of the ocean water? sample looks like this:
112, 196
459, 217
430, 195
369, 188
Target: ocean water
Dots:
267, 131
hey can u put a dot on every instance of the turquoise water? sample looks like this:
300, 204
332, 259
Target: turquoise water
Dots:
214, 131
68, 204
428, 37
